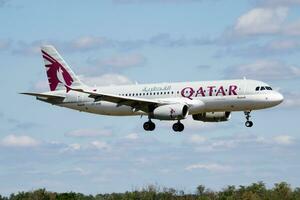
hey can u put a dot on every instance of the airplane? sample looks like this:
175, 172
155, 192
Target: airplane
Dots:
207, 101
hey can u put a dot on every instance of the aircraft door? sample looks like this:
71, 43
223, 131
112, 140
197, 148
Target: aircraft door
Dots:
243, 89
79, 98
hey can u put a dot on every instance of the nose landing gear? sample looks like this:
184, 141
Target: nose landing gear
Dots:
248, 123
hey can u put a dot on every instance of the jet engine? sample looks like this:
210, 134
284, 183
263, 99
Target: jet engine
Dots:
171, 112
212, 116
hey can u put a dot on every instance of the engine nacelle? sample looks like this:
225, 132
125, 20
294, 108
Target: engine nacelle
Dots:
171, 112
212, 116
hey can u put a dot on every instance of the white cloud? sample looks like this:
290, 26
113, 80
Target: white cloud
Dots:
132, 136
19, 141
270, 18
196, 139
76, 170
33, 48
72, 147
41, 86
213, 167
286, 45
106, 80
89, 133
261, 21
241, 141
291, 100
264, 69
292, 29
4, 44
100, 145
81, 171
114, 64
87, 43
90, 43
276, 47
283, 140
122, 61
276, 3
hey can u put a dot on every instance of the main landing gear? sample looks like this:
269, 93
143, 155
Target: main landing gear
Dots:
248, 123
149, 126
178, 127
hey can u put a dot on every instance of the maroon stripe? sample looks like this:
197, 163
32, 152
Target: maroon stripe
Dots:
48, 57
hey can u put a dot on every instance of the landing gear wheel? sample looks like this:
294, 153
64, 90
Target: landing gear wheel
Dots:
149, 126
178, 127
152, 126
248, 123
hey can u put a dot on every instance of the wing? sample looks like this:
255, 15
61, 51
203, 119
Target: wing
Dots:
146, 105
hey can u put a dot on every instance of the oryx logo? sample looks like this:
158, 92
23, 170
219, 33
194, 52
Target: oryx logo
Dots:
57, 73
172, 111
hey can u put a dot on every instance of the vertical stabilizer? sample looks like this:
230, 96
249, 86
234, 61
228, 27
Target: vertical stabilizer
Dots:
60, 76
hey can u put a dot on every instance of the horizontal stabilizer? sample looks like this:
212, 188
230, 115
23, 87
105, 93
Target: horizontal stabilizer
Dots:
41, 95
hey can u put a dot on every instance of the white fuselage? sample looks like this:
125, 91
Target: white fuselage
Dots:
204, 96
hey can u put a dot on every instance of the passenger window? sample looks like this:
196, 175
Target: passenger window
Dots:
257, 88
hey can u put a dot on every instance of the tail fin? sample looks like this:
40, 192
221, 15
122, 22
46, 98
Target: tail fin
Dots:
60, 76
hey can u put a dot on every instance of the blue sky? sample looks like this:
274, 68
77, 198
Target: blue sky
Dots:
126, 41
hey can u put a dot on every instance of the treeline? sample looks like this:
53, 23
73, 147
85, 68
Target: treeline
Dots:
255, 191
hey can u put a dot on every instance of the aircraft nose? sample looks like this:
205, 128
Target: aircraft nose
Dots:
277, 98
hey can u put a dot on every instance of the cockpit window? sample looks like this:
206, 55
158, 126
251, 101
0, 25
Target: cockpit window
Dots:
260, 88
269, 88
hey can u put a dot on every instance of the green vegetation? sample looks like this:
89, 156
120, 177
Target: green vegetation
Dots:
256, 191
